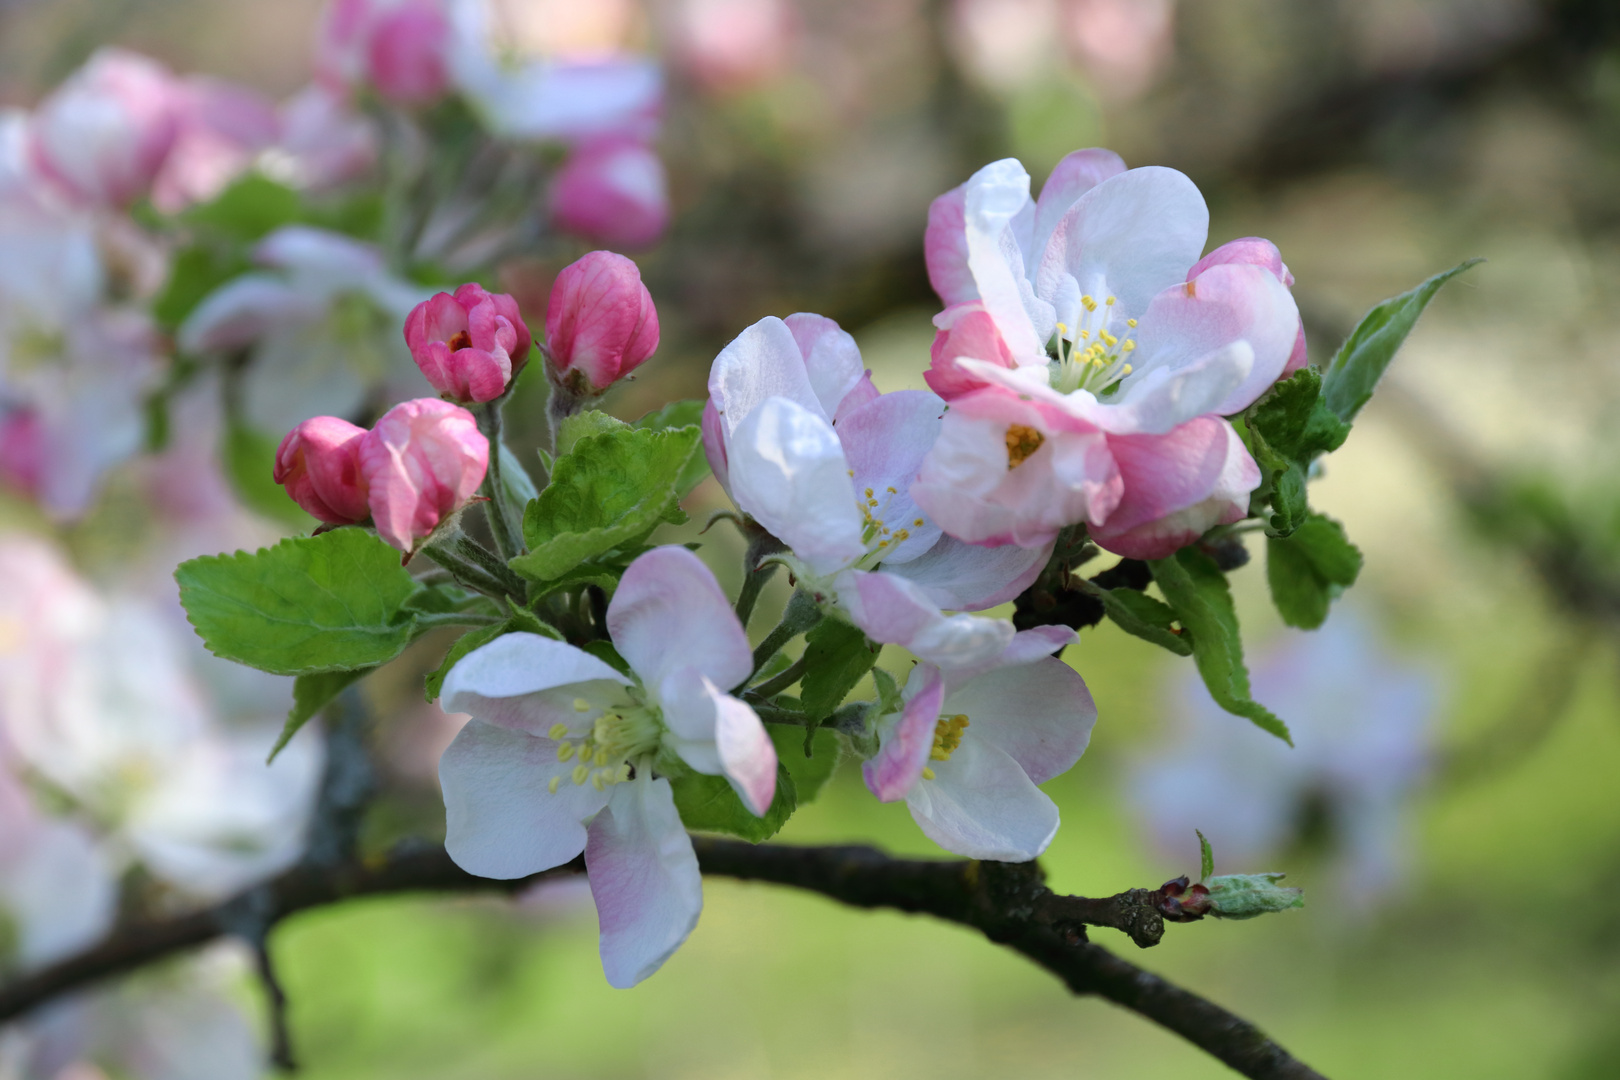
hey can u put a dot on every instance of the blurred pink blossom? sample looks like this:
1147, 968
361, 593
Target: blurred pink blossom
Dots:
733, 45
397, 47
324, 142
612, 191
222, 128
103, 134
1123, 44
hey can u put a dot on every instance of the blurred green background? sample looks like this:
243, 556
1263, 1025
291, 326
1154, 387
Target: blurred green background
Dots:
1376, 142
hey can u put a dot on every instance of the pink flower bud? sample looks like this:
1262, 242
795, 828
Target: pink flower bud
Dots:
469, 345
398, 47
600, 323
406, 57
105, 132
612, 191
421, 463
319, 465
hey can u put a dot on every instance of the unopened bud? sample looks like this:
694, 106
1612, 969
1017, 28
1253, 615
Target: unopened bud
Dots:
421, 463
1243, 896
612, 192
600, 325
470, 345
319, 465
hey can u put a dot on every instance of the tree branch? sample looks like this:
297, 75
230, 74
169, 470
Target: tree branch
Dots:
1008, 902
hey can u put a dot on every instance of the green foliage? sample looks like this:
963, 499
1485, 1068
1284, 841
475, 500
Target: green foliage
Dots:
322, 603
1197, 590
611, 489
1135, 612
195, 272
250, 459
1286, 430
519, 485
1307, 570
837, 656
311, 694
1367, 352
680, 414
709, 803
521, 619
1206, 857
247, 210
1244, 896
577, 426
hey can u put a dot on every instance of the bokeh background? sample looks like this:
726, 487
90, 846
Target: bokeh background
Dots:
1376, 142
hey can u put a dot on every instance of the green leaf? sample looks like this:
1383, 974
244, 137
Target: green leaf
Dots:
320, 603
311, 694
1244, 896
1288, 501
1206, 857
889, 699
1197, 590
605, 652
612, 488
1137, 613
837, 656
250, 459
810, 772
577, 426
680, 414
708, 804
1367, 352
194, 272
1282, 414
250, 208
1308, 569
520, 489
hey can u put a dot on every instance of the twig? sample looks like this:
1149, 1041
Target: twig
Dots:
1007, 902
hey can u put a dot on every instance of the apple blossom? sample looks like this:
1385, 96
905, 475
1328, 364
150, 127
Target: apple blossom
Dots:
734, 45
221, 129
823, 462
612, 191
397, 47
324, 142
421, 463
469, 345
601, 324
970, 746
1361, 721
1149, 346
100, 698
319, 320
319, 465
104, 133
538, 98
57, 887
564, 754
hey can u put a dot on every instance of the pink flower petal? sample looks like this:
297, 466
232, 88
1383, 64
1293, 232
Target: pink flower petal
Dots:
906, 741
670, 613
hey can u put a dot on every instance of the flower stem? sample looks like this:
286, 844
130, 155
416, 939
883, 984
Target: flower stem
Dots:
508, 540
802, 613
778, 683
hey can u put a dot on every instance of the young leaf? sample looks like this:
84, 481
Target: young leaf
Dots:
709, 804
837, 656
679, 414
810, 772
888, 693
578, 425
1206, 858
321, 603
1197, 590
194, 272
1135, 612
1245, 896
1308, 569
1367, 352
515, 478
248, 209
311, 694
612, 488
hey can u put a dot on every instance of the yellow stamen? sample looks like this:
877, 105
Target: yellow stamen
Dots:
558, 730
552, 786
598, 780
927, 773
948, 736
1131, 323
580, 773
917, 524
1022, 441
565, 751
581, 705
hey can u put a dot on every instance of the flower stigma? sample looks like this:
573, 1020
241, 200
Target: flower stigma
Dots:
1095, 354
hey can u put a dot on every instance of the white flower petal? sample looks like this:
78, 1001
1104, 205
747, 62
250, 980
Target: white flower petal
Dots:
644, 877
669, 613
997, 197
981, 804
971, 577
501, 819
894, 611
761, 363
527, 682
789, 472
1040, 714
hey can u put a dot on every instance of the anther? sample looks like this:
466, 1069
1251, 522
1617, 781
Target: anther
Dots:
565, 751
558, 730
927, 773
552, 785
580, 773
581, 705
